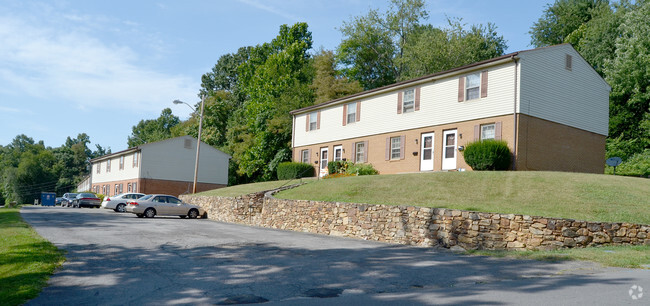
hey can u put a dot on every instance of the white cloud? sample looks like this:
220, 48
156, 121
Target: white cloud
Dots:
63, 57
272, 10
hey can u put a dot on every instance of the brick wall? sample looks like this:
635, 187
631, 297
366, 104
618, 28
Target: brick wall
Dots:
152, 186
420, 226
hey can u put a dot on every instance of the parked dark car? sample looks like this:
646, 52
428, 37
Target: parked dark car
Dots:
67, 199
86, 200
57, 201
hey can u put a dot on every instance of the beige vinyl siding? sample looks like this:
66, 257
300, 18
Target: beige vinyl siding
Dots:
170, 160
438, 105
578, 97
116, 174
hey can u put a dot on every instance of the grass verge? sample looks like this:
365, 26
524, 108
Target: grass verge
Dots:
243, 189
612, 256
26, 259
590, 197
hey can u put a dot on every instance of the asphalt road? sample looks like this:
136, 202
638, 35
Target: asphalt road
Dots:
118, 259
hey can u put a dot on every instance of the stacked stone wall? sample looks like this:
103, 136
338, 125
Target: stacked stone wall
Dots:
422, 226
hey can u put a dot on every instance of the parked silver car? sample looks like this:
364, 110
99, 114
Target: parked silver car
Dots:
118, 202
164, 205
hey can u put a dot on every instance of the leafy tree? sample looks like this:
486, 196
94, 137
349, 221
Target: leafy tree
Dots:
563, 18
329, 84
629, 76
216, 112
275, 80
153, 130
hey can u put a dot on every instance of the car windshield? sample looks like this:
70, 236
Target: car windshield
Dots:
72, 195
147, 197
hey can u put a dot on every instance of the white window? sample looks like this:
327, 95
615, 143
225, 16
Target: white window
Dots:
304, 156
135, 187
487, 131
108, 165
117, 189
135, 159
122, 162
472, 91
99, 167
409, 101
395, 147
352, 112
360, 152
313, 121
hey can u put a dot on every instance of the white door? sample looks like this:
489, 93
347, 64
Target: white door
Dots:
449, 150
338, 153
323, 162
426, 152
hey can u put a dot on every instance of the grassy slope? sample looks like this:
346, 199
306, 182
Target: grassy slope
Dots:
26, 259
238, 190
579, 196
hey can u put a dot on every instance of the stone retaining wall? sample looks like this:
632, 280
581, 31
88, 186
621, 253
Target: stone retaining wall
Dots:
420, 226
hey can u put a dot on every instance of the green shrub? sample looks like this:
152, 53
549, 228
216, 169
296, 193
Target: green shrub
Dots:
293, 170
362, 169
488, 155
338, 166
637, 165
100, 196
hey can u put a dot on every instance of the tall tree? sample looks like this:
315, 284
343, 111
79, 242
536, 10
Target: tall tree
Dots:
275, 79
328, 83
629, 75
563, 18
153, 130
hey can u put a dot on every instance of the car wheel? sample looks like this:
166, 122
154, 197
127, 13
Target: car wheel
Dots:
120, 208
193, 213
149, 212
139, 215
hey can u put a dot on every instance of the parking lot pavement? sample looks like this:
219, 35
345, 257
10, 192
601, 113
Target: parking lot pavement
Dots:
118, 259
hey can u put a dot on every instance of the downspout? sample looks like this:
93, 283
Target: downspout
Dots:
293, 137
514, 117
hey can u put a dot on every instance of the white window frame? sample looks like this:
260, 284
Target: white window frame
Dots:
122, 162
352, 113
313, 121
395, 148
475, 89
135, 159
99, 167
408, 101
360, 151
108, 165
485, 131
304, 156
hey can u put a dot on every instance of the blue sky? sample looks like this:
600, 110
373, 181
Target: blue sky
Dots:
99, 67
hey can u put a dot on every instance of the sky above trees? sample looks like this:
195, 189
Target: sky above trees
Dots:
71, 67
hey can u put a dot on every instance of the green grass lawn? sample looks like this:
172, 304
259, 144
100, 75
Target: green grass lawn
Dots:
613, 256
243, 189
26, 259
590, 197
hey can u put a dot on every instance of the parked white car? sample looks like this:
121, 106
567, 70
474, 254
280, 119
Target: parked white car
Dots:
165, 205
118, 202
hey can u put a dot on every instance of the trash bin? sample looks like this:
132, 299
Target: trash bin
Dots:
48, 198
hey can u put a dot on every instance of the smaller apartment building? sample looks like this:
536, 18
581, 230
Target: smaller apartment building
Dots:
548, 104
165, 166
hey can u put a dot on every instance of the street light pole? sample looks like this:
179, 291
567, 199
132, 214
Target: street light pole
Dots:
198, 143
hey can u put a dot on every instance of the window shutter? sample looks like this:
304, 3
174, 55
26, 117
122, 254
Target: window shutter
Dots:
358, 111
387, 148
354, 152
318, 121
484, 83
345, 114
399, 102
307, 124
365, 153
497, 131
461, 89
477, 132
417, 99
402, 145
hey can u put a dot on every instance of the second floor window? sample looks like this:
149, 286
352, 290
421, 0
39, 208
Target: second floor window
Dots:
352, 112
472, 89
135, 159
313, 121
122, 162
108, 165
409, 101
